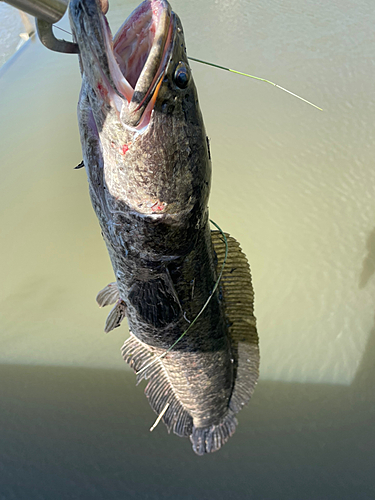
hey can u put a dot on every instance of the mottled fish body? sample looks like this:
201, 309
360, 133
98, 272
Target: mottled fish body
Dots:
148, 164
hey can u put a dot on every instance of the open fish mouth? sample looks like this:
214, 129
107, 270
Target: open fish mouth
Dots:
125, 71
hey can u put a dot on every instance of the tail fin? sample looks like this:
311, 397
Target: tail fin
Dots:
210, 439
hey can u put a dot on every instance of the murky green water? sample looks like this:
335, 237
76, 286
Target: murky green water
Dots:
10, 27
294, 185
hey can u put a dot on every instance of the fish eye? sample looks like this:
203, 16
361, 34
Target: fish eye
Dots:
182, 76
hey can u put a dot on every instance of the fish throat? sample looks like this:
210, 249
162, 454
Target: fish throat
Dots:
137, 59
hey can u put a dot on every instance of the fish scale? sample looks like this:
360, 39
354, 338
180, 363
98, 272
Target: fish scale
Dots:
148, 165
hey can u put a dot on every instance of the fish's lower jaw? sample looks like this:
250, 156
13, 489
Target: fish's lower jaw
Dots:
212, 438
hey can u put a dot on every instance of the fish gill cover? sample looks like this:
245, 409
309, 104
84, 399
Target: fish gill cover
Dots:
146, 155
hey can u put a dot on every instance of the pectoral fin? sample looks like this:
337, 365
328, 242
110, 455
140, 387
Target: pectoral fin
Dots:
115, 317
109, 295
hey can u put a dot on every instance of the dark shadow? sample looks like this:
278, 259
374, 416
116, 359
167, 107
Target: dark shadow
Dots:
368, 266
70, 433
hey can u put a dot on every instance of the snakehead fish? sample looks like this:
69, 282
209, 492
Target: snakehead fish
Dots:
148, 165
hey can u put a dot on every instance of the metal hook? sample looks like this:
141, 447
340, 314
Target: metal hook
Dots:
49, 40
47, 12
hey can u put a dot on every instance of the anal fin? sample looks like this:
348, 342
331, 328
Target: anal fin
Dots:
159, 390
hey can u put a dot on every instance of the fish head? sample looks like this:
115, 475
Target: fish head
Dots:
139, 116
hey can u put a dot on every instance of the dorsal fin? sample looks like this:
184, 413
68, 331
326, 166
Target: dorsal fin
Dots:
238, 297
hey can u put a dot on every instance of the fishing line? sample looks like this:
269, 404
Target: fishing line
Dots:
237, 73
159, 417
200, 312
61, 29
255, 78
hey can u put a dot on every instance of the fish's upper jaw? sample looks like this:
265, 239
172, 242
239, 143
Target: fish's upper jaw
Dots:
125, 72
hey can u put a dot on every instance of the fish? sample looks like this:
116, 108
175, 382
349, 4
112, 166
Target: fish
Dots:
148, 163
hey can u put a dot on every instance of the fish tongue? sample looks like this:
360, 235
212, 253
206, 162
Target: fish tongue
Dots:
148, 77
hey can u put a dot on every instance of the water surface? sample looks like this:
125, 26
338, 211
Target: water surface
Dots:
294, 185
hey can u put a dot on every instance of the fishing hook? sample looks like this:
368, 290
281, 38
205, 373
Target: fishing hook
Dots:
46, 13
47, 37
49, 40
